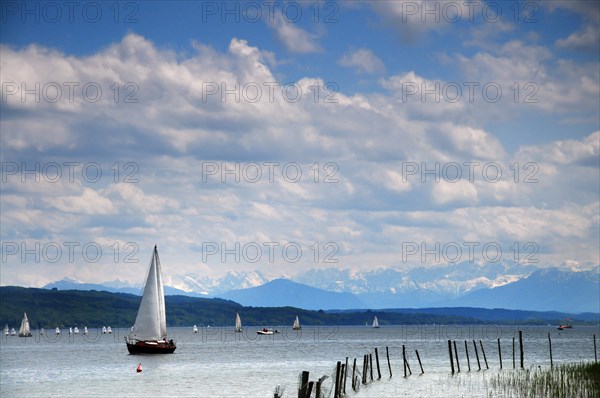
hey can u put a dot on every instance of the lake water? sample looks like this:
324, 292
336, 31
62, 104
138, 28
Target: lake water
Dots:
217, 362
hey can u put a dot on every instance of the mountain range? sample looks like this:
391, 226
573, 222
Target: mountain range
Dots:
491, 286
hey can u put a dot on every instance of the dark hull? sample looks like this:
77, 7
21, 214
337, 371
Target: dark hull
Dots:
142, 347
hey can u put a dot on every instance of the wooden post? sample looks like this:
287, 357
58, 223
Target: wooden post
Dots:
484, 357
345, 376
377, 361
404, 359
353, 375
499, 353
521, 347
309, 389
387, 353
371, 365
595, 352
514, 353
318, 387
303, 385
336, 393
550, 347
467, 351
450, 355
365, 368
477, 355
419, 359
456, 357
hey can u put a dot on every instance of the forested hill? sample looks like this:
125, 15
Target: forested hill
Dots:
64, 308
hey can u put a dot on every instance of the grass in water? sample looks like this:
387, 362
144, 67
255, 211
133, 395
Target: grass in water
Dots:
569, 380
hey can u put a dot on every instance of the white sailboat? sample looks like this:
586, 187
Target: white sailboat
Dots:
238, 323
296, 325
6, 332
13, 332
109, 330
76, 330
70, 330
57, 330
375, 323
24, 330
85, 331
103, 329
195, 329
150, 328
42, 332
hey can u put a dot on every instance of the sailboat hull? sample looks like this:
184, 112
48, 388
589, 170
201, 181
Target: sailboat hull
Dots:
151, 347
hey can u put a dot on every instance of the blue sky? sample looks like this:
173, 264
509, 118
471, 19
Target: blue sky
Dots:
171, 129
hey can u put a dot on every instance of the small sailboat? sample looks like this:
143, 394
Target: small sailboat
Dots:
70, 330
6, 332
85, 331
375, 323
57, 330
42, 332
103, 329
150, 328
296, 325
238, 323
108, 330
24, 330
195, 329
76, 330
13, 332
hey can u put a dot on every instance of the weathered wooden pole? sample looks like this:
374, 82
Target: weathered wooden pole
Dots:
353, 375
303, 384
365, 368
521, 347
467, 352
404, 359
318, 387
336, 393
371, 365
484, 357
387, 353
514, 353
345, 376
477, 355
595, 352
500, 353
309, 389
377, 361
550, 348
456, 357
419, 359
450, 355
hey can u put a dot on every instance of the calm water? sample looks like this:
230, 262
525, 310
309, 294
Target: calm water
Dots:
217, 362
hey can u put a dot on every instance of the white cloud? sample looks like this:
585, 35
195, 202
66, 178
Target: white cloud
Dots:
89, 202
587, 39
294, 38
363, 60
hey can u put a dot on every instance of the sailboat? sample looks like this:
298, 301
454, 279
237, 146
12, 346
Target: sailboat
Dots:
70, 330
375, 323
6, 330
13, 332
57, 331
24, 330
195, 329
76, 330
109, 330
238, 323
150, 328
103, 329
42, 332
296, 325
85, 331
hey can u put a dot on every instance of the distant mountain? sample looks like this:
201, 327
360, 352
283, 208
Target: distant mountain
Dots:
284, 292
544, 290
232, 280
72, 284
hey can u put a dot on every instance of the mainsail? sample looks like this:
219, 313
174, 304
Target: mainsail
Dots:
238, 323
375, 322
151, 322
24, 329
296, 325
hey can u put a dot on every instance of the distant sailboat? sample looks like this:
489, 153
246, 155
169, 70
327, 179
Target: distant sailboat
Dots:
24, 330
6, 332
13, 332
296, 325
375, 323
76, 330
195, 329
42, 332
103, 329
238, 323
85, 331
70, 330
109, 330
57, 330
150, 335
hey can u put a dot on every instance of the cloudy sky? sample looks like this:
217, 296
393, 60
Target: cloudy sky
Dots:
283, 136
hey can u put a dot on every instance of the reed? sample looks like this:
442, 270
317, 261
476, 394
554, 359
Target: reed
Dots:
567, 380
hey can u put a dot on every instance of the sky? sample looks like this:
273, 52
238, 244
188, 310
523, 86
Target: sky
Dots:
283, 136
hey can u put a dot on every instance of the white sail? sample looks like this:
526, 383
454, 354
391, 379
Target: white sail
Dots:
13, 332
195, 329
296, 325
375, 322
6, 330
103, 329
151, 320
57, 330
109, 330
85, 331
76, 330
70, 330
24, 329
238, 323
42, 332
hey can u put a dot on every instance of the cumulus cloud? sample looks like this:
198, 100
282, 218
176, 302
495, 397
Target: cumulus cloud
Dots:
363, 60
295, 39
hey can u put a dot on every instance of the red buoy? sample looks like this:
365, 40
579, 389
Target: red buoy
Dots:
139, 368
